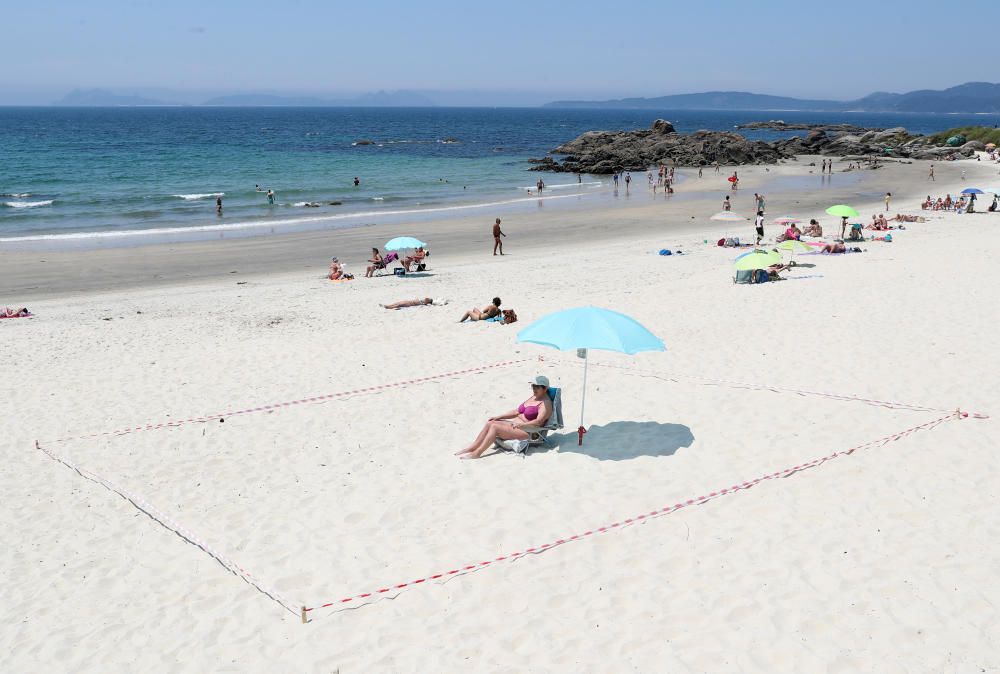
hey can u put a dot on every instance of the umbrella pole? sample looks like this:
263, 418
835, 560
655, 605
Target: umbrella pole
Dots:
580, 431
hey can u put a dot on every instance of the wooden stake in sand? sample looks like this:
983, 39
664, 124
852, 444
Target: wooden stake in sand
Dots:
304, 619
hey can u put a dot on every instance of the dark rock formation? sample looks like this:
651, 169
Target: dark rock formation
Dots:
781, 125
610, 151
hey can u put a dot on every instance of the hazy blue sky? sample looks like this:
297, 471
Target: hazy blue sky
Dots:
526, 52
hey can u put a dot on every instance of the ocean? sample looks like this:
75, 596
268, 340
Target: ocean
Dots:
102, 175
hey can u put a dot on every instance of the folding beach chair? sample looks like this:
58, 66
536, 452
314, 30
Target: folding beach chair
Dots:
383, 268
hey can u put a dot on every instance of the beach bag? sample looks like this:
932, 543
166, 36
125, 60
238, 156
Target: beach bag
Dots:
517, 446
761, 276
722, 242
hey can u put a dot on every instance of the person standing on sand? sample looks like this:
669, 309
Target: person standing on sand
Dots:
760, 203
218, 204
930, 173
615, 178
717, 167
699, 171
628, 181
843, 226
888, 198
735, 180
497, 233
759, 226
727, 205
540, 185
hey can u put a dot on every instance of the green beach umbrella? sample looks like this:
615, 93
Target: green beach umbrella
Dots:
842, 211
759, 259
793, 246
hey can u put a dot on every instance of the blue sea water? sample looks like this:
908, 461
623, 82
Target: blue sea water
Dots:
76, 173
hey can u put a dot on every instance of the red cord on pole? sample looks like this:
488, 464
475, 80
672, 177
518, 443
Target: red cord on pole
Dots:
580, 431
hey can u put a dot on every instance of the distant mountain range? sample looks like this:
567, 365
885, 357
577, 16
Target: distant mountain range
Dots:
104, 98
972, 97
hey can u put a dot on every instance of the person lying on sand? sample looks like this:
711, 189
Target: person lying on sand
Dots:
489, 311
833, 248
415, 303
533, 412
14, 313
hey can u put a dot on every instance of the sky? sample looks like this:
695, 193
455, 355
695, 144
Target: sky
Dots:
510, 52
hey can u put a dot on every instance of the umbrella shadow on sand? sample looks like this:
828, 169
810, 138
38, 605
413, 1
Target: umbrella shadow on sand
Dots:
622, 440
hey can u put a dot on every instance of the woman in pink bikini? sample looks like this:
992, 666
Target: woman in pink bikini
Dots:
533, 412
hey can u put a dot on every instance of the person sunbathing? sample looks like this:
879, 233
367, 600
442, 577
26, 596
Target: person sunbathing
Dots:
418, 256
947, 202
833, 248
337, 272
14, 313
489, 311
415, 303
532, 413
376, 263
813, 229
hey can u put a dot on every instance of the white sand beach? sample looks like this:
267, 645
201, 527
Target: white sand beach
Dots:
882, 560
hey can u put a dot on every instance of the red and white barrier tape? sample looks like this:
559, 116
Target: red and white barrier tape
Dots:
644, 372
168, 522
466, 568
275, 406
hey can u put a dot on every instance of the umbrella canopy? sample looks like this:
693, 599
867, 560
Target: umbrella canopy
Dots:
404, 243
842, 211
727, 216
793, 246
590, 328
759, 259
786, 220
972, 190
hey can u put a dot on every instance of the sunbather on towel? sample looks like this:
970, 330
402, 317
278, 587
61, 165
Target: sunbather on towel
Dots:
337, 272
416, 303
833, 248
535, 411
14, 313
489, 311
813, 229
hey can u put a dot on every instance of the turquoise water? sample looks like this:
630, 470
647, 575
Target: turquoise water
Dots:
79, 173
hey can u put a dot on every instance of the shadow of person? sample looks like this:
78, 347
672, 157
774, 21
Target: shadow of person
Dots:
622, 440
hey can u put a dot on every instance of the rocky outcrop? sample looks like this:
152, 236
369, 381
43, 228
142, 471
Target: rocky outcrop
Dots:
610, 151
781, 125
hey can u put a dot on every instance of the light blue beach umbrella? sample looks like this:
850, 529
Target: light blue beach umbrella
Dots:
972, 190
586, 328
404, 243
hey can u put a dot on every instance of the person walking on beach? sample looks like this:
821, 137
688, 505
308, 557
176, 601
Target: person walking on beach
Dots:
759, 226
717, 167
760, 203
615, 178
930, 173
735, 180
888, 198
540, 185
270, 197
218, 204
628, 181
497, 233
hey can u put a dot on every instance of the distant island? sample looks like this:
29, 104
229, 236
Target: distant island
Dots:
971, 97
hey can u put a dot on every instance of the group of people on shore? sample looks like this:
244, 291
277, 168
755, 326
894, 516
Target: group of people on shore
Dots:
961, 204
